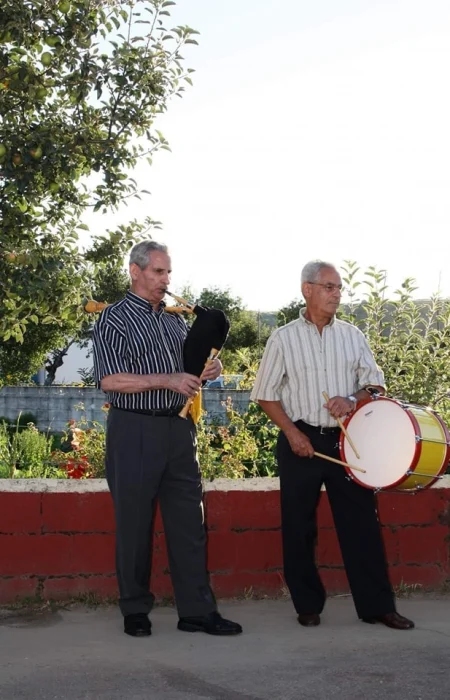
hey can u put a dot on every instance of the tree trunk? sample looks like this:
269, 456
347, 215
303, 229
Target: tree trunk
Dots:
54, 362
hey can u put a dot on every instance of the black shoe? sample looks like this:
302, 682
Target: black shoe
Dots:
137, 625
211, 624
309, 620
392, 620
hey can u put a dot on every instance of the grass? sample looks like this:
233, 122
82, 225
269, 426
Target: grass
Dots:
37, 605
91, 599
406, 590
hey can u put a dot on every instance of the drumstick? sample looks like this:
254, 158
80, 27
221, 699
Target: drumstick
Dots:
342, 427
338, 461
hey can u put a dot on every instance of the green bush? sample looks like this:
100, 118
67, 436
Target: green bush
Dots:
411, 343
81, 452
26, 453
244, 447
410, 338
20, 422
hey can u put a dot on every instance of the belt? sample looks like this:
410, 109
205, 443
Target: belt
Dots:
320, 428
155, 413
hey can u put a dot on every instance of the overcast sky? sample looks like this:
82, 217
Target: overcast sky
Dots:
313, 130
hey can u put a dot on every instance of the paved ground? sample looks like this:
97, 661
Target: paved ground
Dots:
82, 654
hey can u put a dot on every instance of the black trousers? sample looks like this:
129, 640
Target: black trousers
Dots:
150, 458
355, 517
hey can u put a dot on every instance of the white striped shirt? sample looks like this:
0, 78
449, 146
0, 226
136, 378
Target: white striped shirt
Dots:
299, 364
131, 337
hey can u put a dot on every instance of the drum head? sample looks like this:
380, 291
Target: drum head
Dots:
384, 434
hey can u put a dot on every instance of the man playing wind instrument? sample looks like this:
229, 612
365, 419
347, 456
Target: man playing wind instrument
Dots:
151, 452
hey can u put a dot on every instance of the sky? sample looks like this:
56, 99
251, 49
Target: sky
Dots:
315, 129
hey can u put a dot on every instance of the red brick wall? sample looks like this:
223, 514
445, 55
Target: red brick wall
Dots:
56, 545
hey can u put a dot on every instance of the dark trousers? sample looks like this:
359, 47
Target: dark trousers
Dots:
357, 526
150, 458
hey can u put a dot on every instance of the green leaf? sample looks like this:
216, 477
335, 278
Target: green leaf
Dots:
87, 111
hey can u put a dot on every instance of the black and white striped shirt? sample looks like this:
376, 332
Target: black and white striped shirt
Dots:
131, 337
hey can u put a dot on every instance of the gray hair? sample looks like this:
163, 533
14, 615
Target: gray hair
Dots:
140, 253
312, 269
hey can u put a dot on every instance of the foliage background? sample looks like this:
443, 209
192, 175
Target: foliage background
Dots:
411, 343
81, 84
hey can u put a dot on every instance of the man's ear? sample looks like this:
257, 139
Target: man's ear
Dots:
306, 290
134, 271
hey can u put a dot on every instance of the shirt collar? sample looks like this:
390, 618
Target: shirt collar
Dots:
141, 303
308, 323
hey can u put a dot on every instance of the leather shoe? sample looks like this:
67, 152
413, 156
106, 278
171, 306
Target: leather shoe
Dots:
213, 623
137, 625
309, 620
393, 619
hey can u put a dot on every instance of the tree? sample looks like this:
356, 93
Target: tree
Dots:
290, 312
221, 299
48, 343
110, 283
79, 90
409, 338
247, 330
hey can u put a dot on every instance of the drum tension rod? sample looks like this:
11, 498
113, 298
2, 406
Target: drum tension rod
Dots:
437, 442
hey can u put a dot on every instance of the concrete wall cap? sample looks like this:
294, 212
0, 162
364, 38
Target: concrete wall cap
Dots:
99, 485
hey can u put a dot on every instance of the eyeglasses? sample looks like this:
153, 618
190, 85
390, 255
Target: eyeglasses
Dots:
329, 287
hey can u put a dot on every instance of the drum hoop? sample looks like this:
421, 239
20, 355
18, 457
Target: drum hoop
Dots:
417, 451
447, 453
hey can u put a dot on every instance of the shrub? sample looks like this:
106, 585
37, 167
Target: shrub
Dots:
26, 453
86, 458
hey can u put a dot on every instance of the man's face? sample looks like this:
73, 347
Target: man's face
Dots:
323, 296
152, 282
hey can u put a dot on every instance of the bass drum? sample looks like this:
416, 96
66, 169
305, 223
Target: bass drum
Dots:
401, 446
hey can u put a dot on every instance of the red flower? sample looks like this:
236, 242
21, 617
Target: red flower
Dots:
76, 468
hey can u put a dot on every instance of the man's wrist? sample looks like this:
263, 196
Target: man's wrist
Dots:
354, 401
159, 381
289, 429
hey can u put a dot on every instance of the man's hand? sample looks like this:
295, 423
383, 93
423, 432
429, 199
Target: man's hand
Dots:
183, 383
339, 406
300, 443
212, 370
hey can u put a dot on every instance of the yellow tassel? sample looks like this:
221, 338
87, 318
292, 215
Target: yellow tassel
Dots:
196, 408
